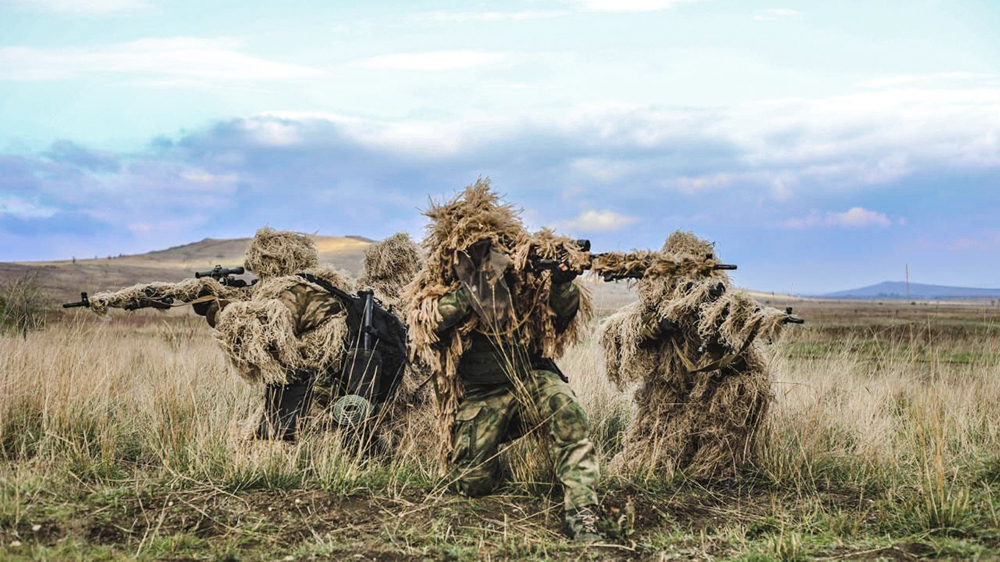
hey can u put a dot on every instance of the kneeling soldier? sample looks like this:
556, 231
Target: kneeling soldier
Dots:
489, 327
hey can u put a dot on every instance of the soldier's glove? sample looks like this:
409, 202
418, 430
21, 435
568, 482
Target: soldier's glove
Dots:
563, 274
214, 308
201, 308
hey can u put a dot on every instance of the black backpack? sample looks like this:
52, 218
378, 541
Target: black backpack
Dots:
377, 359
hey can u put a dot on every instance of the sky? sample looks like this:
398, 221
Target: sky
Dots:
821, 145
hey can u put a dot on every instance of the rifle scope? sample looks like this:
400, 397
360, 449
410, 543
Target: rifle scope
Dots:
219, 271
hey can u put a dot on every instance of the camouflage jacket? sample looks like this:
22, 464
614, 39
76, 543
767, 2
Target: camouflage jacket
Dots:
486, 361
309, 306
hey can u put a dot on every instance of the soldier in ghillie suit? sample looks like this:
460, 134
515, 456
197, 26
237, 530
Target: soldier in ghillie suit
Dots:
704, 389
389, 266
292, 334
489, 327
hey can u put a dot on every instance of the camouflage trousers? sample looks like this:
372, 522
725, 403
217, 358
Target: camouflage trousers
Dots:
489, 416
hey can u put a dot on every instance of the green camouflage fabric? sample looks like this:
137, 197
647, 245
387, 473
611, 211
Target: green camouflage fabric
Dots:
490, 415
488, 361
310, 306
494, 409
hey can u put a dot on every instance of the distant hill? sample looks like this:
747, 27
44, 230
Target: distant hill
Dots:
63, 280
897, 290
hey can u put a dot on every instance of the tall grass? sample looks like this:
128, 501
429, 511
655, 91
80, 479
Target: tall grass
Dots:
107, 401
153, 402
21, 305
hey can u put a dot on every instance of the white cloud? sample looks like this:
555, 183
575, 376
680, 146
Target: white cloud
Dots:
603, 169
272, 133
868, 138
210, 60
431, 60
96, 7
208, 180
781, 148
772, 14
23, 209
596, 221
628, 5
696, 184
857, 217
464, 17
938, 78
426, 139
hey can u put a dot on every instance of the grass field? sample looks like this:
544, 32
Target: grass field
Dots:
127, 437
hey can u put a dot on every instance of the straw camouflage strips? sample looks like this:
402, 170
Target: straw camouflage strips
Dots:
288, 324
690, 342
388, 266
475, 214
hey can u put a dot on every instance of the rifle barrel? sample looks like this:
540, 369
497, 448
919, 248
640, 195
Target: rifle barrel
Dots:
84, 302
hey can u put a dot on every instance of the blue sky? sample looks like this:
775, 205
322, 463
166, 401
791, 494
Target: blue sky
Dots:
823, 145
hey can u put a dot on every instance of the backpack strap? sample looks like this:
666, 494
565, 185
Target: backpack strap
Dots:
329, 287
355, 308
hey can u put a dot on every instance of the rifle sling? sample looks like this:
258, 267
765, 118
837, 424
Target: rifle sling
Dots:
718, 364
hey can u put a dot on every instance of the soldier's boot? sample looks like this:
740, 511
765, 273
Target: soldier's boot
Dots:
581, 524
284, 405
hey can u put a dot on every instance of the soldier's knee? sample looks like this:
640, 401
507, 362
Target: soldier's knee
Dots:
569, 421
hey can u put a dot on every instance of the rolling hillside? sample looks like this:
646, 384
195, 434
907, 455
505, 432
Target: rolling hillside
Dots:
63, 280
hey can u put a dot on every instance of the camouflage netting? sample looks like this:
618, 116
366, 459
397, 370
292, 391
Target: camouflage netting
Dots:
705, 424
651, 264
259, 335
475, 214
388, 266
165, 295
273, 253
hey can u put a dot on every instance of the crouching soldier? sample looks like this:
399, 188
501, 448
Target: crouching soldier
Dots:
488, 326
308, 338
691, 342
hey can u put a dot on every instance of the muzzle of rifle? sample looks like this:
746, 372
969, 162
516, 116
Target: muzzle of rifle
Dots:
84, 302
724, 267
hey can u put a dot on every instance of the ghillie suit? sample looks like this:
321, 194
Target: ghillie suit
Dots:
691, 343
317, 347
291, 335
388, 266
489, 327
164, 296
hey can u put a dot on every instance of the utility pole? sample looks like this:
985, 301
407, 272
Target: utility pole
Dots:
907, 281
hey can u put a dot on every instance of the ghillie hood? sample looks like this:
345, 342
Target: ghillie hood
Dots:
476, 214
388, 266
274, 253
